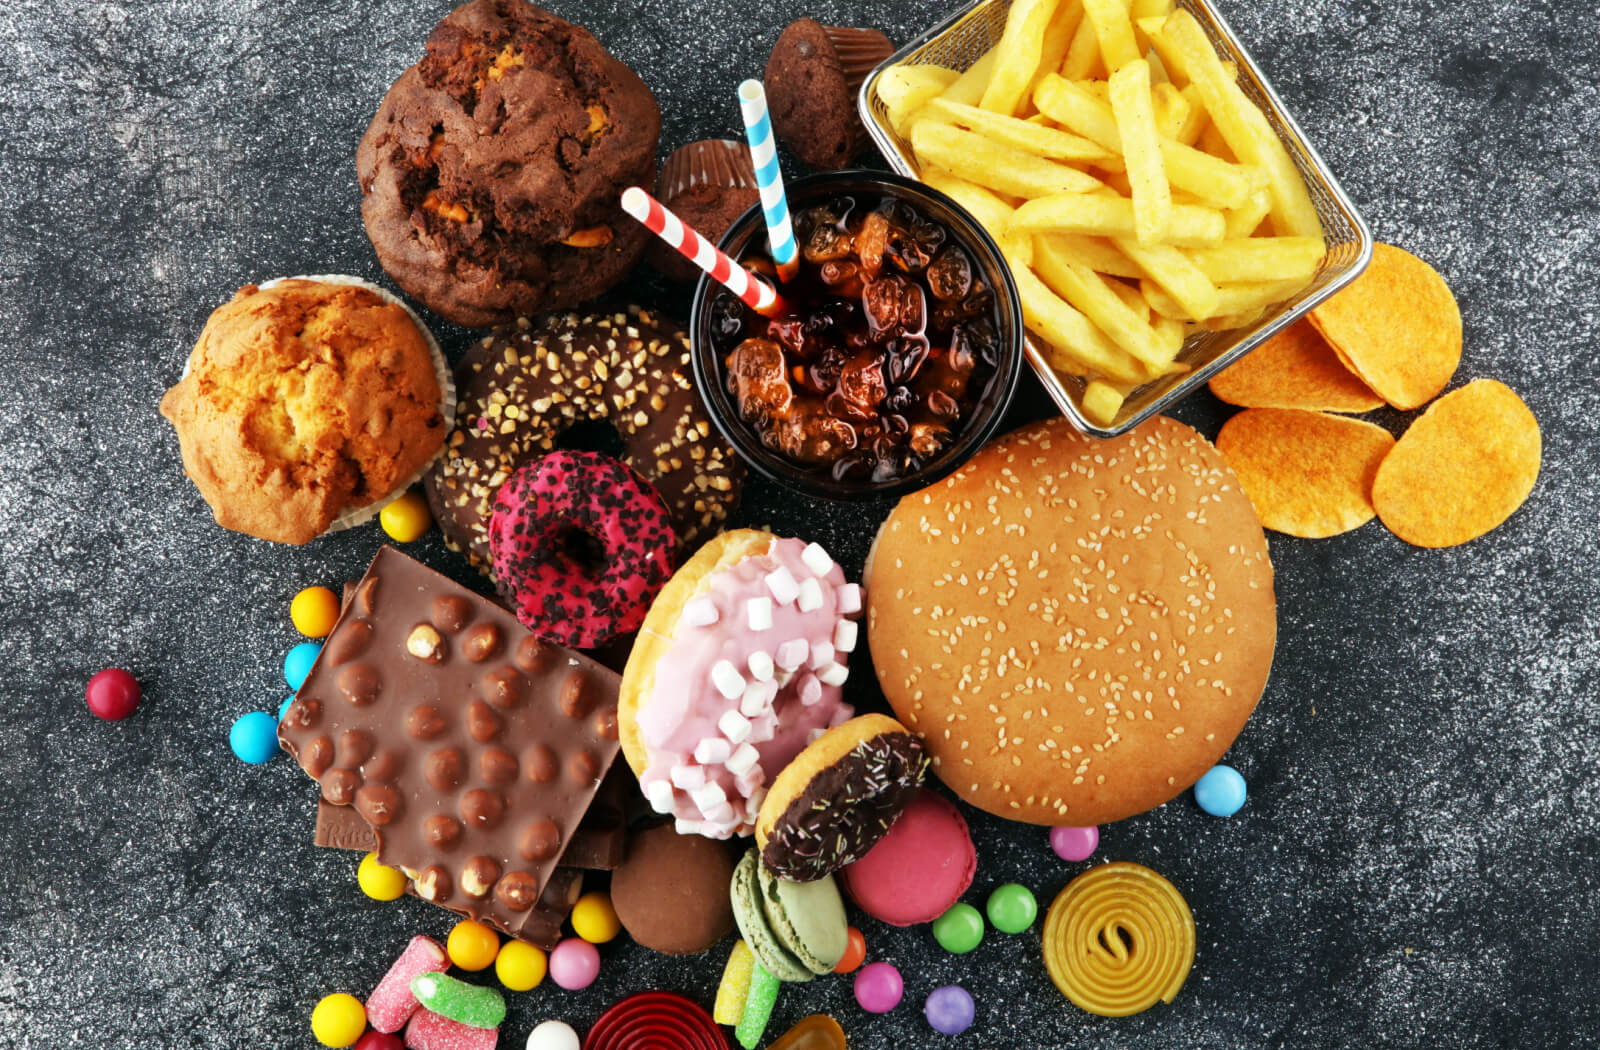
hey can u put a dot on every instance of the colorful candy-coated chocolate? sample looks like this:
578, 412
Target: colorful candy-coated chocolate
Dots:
855, 952
297, 663
574, 964
594, 919
1012, 908
949, 1009
735, 985
879, 988
379, 881
112, 694
379, 1041
471, 1004
553, 1035
391, 1004
655, 1019
472, 945
1221, 792
817, 1032
429, 1031
338, 1019
283, 708
1075, 844
406, 518
254, 737
959, 930
758, 1004
520, 966
313, 611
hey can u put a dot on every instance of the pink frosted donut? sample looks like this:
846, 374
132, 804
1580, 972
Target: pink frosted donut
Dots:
548, 519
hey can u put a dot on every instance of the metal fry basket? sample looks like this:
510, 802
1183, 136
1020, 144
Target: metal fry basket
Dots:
960, 40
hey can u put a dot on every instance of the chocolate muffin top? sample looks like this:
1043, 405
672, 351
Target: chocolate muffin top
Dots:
491, 174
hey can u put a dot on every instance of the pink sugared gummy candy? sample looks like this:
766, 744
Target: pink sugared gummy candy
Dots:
429, 1031
391, 1004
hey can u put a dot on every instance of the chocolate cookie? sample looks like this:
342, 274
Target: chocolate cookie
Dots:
520, 388
671, 893
491, 174
811, 83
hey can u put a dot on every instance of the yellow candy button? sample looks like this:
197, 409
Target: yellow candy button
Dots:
1119, 939
338, 1020
520, 966
314, 611
379, 881
594, 919
406, 518
472, 945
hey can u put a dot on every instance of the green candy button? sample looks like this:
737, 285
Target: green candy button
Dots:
1012, 908
959, 930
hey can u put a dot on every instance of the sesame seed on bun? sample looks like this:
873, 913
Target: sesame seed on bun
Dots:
1076, 627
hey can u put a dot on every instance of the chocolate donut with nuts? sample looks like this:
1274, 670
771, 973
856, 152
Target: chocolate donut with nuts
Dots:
523, 386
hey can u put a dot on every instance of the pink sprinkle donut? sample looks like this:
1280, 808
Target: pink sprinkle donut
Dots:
561, 591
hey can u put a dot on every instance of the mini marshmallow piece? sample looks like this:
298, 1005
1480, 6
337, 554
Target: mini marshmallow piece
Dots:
687, 777
758, 612
659, 792
834, 674
850, 599
816, 559
712, 751
743, 760
792, 654
727, 679
758, 796
811, 595
821, 655
763, 727
429, 1031
761, 666
751, 781
391, 1004
702, 612
812, 735
687, 827
810, 690
709, 796
720, 815
844, 636
758, 697
474, 1005
734, 726
780, 582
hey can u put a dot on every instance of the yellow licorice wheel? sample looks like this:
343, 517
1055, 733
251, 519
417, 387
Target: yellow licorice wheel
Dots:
1119, 939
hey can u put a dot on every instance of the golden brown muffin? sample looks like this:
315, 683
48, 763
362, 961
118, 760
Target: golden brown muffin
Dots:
303, 400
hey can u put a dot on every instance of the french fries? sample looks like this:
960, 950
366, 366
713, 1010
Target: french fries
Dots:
1136, 192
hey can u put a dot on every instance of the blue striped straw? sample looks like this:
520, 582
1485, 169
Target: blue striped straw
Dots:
769, 179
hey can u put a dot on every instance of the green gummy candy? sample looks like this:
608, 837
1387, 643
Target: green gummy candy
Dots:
468, 1004
758, 1004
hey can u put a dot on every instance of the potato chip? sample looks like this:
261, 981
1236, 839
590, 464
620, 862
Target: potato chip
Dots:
1396, 326
1294, 369
1308, 474
1461, 469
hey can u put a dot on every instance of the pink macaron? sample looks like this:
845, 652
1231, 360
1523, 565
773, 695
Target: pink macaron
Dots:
919, 869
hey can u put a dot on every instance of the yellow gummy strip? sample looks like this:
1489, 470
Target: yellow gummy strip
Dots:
729, 1007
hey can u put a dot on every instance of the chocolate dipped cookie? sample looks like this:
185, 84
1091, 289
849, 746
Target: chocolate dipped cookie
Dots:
490, 176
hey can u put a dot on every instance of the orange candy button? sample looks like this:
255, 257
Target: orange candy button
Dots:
855, 952
817, 1032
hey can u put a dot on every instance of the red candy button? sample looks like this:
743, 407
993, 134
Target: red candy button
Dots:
112, 694
655, 1021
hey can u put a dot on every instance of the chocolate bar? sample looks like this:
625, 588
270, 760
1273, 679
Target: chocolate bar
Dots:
471, 747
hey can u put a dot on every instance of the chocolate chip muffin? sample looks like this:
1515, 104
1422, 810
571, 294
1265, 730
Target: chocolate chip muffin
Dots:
491, 174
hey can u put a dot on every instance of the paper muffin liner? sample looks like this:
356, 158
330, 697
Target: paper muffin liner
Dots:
859, 51
351, 517
709, 162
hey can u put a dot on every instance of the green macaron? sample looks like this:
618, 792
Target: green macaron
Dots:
808, 917
751, 917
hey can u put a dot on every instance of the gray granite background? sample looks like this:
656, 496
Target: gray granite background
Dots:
1417, 864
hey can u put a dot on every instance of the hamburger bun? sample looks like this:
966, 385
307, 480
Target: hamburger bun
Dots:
1076, 627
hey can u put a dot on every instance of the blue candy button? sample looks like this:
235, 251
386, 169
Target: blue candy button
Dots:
1221, 791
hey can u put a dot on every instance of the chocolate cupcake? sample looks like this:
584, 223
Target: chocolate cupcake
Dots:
811, 81
708, 184
491, 174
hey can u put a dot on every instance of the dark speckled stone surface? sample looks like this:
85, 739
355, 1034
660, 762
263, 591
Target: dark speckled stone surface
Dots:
1417, 865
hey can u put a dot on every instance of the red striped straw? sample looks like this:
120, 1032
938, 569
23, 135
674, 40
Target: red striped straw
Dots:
756, 293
